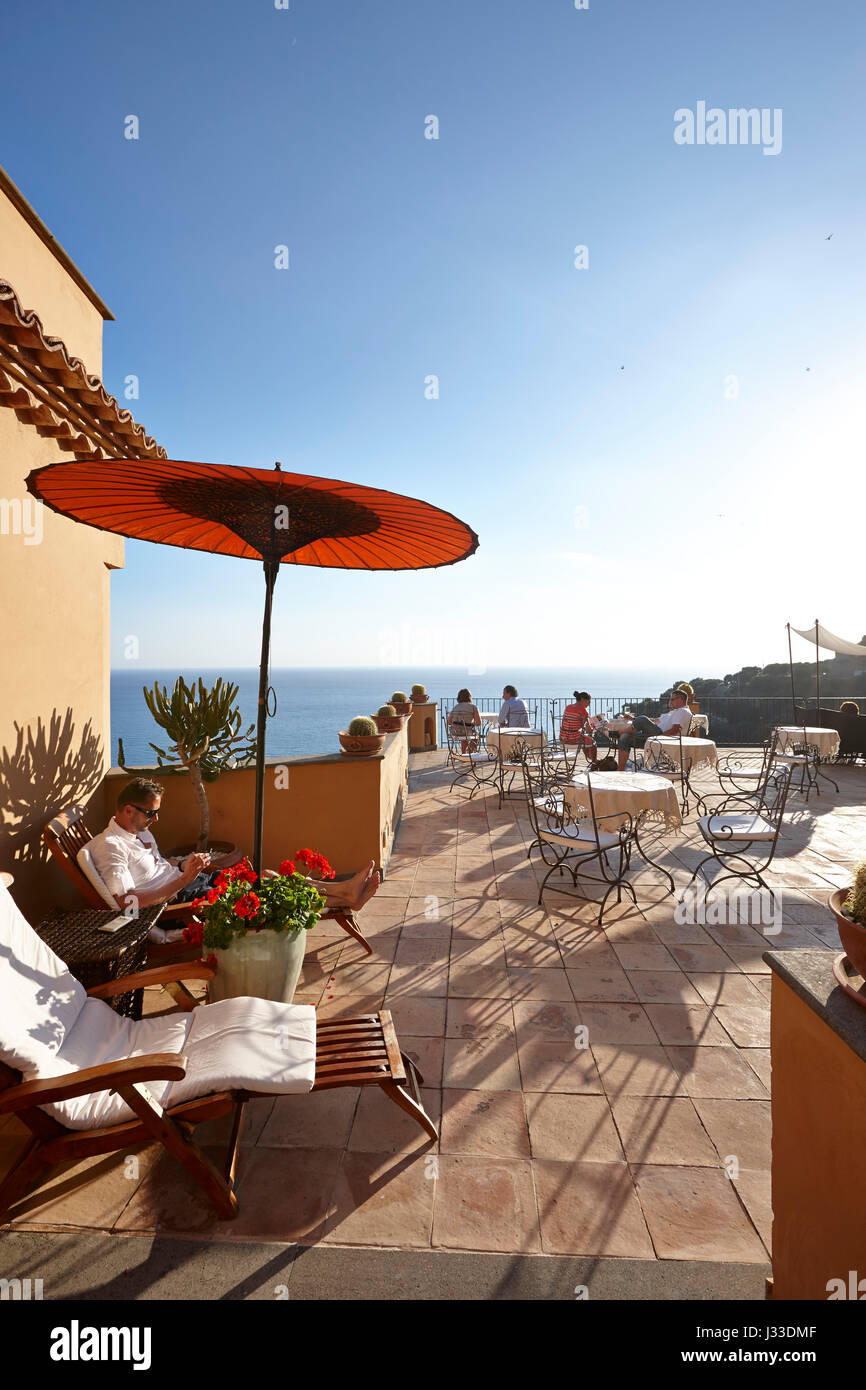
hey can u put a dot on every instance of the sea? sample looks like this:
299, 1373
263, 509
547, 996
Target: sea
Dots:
312, 705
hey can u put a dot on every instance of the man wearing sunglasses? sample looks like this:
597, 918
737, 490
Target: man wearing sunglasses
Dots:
128, 859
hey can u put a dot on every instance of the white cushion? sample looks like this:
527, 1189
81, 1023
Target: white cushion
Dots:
85, 863
40, 999
793, 758
741, 826
473, 758
249, 1045
552, 804
751, 775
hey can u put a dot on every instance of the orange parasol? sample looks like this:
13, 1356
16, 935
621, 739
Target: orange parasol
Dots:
258, 514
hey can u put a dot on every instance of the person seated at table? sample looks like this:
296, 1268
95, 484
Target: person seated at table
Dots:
578, 725
676, 719
849, 707
464, 718
513, 714
133, 870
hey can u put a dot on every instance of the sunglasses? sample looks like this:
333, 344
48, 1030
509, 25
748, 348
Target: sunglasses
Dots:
151, 815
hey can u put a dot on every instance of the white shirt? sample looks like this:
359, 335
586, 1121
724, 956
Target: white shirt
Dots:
674, 719
129, 863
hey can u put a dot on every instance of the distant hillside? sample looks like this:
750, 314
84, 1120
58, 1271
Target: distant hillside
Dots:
840, 675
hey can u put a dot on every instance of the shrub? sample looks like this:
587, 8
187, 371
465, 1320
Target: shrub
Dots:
362, 726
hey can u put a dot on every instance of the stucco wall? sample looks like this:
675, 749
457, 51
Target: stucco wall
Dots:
54, 600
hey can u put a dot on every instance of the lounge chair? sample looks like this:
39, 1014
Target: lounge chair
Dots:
87, 1081
67, 837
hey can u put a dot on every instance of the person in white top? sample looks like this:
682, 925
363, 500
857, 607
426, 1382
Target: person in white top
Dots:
676, 719
136, 874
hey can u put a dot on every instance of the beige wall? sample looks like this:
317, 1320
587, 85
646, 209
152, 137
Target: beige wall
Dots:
54, 599
424, 727
819, 1151
346, 808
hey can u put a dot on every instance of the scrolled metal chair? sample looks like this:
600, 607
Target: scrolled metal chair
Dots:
744, 825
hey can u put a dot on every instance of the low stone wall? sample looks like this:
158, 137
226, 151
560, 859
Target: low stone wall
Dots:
346, 808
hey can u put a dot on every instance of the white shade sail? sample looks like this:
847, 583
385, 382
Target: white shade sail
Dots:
829, 642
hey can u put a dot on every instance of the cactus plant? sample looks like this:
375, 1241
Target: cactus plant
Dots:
386, 712
398, 698
204, 726
361, 727
855, 903
419, 694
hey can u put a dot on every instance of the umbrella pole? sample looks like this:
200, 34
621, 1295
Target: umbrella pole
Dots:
817, 676
271, 569
791, 666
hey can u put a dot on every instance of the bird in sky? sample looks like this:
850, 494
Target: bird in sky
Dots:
827, 238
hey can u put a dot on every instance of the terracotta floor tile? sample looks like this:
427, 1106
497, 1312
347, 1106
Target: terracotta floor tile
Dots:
618, 1023
522, 950
485, 1204
551, 1021
381, 1126
552, 1064
422, 950
426, 979
321, 1120
479, 1018
600, 983
663, 987
739, 1128
758, 1058
417, 1015
468, 981
698, 959
539, 983
727, 988
487, 1063
590, 1209
636, 1070
93, 1192
755, 1192
170, 1200
572, 1128
284, 1195
749, 961
639, 955
686, 1024
383, 1199
694, 1214
491, 1123
717, 1073
663, 1129
747, 1025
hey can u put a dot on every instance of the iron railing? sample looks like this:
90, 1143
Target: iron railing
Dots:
735, 720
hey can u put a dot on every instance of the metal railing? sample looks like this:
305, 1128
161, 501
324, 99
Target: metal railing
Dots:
735, 720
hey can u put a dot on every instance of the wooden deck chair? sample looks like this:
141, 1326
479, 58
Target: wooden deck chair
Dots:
87, 1081
67, 837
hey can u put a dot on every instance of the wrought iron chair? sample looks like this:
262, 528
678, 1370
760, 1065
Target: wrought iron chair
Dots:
478, 764
804, 758
740, 772
741, 826
509, 760
567, 843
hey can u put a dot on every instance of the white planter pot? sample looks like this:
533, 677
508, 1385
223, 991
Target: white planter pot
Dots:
262, 964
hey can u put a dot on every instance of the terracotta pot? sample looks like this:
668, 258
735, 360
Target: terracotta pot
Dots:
420, 699
388, 723
262, 964
222, 852
402, 706
851, 934
361, 745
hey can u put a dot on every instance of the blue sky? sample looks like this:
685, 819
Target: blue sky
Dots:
622, 514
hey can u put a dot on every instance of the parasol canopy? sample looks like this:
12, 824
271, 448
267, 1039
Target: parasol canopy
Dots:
255, 514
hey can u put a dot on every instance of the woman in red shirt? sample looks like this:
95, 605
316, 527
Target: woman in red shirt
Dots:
575, 728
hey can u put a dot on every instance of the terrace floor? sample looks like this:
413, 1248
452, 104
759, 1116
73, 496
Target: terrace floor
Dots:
651, 1144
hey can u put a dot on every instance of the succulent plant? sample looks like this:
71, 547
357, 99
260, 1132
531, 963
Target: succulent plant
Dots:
361, 727
419, 693
386, 712
398, 698
855, 903
204, 725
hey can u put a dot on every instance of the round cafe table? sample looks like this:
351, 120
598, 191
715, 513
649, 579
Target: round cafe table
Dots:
695, 750
825, 740
618, 795
502, 742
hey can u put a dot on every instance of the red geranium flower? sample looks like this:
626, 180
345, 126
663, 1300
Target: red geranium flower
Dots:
193, 934
315, 864
248, 905
287, 866
213, 894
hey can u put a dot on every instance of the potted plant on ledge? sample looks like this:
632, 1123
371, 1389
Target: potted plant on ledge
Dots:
256, 929
362, 739
418, 695
848, 906
402, 704
388, 721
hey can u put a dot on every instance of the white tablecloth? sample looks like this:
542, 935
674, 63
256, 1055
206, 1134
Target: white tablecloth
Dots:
640, 794
826, 740
503, 739
695, 750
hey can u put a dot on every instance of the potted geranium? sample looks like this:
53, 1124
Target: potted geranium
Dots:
256, 928
848, 906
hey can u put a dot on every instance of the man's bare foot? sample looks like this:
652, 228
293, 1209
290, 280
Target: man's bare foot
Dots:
352, 888
370, 887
